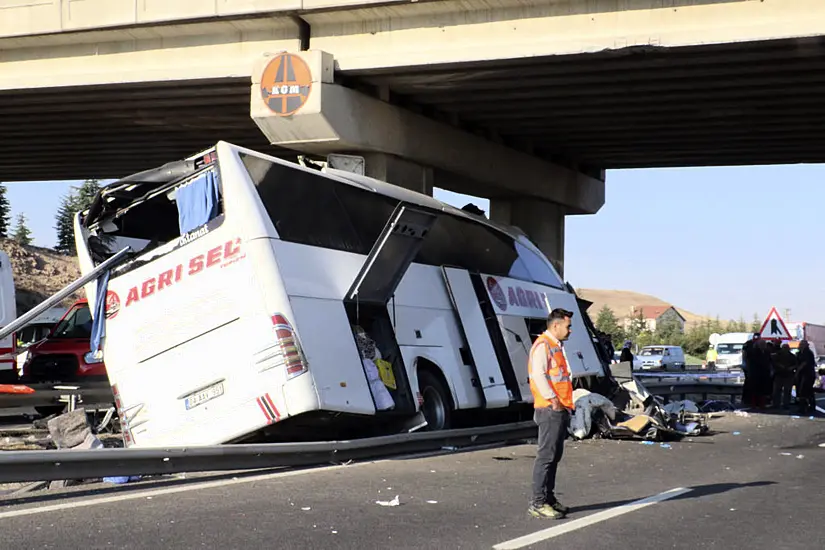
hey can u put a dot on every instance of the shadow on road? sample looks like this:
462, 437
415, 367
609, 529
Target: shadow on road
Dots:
696, 492
91, 489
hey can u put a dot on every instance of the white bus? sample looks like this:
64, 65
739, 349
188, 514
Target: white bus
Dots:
236, 316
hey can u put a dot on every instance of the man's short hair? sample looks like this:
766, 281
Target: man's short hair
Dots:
558, 314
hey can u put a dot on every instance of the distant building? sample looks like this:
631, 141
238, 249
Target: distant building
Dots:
655, 316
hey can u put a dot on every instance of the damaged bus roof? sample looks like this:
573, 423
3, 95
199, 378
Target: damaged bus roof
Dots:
136, 188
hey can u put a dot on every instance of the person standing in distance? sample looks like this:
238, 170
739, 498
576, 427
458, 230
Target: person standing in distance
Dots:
552, 392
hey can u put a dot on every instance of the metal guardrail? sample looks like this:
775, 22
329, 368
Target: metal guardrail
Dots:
46, 394
733, 375
55, 299
682, 388
87, 464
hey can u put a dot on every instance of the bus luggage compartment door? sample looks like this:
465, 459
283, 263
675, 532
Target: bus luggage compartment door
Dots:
482, 353
367, 299
391, 255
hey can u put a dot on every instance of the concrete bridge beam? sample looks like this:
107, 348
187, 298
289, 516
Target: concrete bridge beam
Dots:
336, 119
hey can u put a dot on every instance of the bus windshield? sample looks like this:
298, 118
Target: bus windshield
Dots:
77, 324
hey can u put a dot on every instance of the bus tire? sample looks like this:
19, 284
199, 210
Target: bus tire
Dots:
437, 406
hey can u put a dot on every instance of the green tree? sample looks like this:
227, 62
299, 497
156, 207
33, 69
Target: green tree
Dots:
77, 200
5, 213
645, 338
696, 340
757, 324
669, 332
608, 323
22, 234
636, 326
65, 227
86, 193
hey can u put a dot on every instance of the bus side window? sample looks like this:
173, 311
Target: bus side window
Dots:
310, 208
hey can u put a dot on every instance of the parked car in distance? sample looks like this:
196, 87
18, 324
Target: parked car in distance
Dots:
662, 357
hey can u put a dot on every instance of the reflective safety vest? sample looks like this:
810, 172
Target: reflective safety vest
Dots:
712, 355
557, 373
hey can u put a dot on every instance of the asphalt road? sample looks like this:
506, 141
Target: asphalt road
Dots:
760, 488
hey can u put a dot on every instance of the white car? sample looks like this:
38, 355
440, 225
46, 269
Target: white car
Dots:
662, 357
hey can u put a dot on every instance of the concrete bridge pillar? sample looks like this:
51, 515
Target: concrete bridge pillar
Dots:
543, 221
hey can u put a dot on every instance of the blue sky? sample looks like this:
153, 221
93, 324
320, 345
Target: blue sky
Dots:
729, 241
725, 241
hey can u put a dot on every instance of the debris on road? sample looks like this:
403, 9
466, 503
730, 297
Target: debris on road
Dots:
586, 406
677, 407
393, 502
120, 480
608, 417
715, 406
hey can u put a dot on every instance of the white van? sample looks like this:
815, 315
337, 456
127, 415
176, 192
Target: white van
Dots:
8, 313
662, 357
729, 349
237, 314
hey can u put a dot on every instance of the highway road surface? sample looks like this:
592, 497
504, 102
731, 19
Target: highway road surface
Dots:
756, 484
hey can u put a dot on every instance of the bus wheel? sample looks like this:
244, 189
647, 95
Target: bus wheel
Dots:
436, 406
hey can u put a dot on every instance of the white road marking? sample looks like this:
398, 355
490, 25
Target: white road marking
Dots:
576, 524
820, 409
77, 503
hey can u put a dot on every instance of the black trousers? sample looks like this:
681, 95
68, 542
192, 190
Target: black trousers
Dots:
552, 433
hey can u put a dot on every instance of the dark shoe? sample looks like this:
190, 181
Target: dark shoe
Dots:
559, 507
544, 511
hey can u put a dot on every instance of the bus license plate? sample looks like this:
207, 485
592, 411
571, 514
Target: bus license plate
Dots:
203, 396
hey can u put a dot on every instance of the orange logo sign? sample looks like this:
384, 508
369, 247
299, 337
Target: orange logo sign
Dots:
285, 84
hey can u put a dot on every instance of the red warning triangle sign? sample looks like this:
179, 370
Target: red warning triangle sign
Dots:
774, 327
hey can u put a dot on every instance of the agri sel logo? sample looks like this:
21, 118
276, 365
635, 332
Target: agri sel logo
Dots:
112, 304
497, 293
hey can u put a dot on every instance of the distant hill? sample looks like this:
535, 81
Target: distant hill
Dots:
620, 301
39, 273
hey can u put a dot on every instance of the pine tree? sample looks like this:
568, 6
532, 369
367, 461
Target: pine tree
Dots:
22, 234
78, 199
65, 227
757, 324
5, 213
86, 193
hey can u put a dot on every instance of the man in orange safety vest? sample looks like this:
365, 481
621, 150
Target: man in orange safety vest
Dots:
553, 400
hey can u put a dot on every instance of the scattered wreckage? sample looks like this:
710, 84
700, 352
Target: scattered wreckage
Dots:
630, 411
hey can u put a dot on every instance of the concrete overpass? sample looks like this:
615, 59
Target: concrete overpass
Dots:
524, 102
